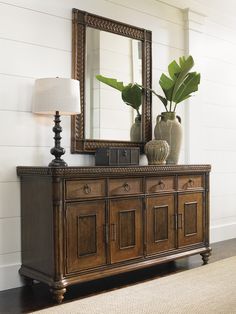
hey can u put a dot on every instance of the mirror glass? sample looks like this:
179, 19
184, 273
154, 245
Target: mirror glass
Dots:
102, 46
115, 56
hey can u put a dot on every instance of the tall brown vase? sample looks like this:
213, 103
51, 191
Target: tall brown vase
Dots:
168, 127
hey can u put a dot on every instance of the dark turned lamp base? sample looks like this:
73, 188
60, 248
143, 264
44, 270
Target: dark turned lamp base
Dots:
57, 163
57, 150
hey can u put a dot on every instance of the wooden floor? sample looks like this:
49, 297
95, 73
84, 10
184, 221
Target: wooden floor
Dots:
29, 299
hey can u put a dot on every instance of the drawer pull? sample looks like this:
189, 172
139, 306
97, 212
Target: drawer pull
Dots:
176, 221
191, 183
105, 230
124, 153
113, 232
126, 187
180, 221
161, 184
87, 189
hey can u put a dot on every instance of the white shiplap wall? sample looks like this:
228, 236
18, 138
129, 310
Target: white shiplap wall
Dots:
210, 116
35, 41
218, 125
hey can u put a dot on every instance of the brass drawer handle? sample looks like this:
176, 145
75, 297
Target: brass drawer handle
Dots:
126, 187
87, 189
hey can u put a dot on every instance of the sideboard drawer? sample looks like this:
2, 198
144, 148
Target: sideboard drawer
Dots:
125, 186
85, 188
190, 182
159, 184
86, 223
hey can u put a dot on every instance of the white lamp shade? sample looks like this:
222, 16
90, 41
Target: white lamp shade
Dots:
56, 94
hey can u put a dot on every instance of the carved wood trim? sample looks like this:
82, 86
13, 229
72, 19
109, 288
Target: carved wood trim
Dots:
103, 171
81, 20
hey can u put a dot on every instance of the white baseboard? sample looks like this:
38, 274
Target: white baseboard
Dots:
9, 277
222, 232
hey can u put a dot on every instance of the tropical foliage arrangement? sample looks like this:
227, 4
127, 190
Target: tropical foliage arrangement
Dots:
180, 85
131, 94
177, 87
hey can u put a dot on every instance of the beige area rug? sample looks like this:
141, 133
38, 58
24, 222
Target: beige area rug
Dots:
207, 289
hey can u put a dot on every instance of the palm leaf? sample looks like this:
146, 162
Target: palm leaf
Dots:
189, 85
174, 69
186, 66
132, 95
167, 86
163, 99
111, 82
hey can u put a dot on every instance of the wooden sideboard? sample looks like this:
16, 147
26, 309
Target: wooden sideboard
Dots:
84, 223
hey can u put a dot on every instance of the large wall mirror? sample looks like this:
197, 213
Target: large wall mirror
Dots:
102, 46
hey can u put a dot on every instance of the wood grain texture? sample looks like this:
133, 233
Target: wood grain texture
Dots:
84, 189
37, 238
160, 184
126, 229
98, 222
190, 219
114, 171
161, 232
190, 182
125, 186
85, 235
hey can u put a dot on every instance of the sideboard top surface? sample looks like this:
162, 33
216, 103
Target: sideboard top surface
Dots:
111, 171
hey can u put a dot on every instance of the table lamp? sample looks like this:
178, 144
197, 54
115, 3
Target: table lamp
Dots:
56, 96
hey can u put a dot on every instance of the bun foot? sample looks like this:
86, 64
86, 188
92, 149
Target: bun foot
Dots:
58, 294
205, 257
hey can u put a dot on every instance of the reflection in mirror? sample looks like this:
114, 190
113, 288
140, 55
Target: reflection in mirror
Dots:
111, 55
116, 50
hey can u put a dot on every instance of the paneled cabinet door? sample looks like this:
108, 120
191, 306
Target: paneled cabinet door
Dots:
126, 229
190, 218
160, 224
85, 225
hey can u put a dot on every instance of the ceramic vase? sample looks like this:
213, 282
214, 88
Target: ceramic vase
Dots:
136, 130
168, 127
157, 152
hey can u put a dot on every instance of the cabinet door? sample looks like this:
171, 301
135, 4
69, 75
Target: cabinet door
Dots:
160, 224
190, 218
85, 225
126, 229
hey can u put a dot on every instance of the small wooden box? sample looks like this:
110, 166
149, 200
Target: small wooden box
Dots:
116, 156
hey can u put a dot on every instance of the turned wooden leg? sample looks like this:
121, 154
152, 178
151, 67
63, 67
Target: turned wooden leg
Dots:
205, 257
58, 294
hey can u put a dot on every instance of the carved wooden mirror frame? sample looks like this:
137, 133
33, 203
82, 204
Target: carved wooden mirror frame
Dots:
82, 20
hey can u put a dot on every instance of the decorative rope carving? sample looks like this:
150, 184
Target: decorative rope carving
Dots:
112, 171
114, 27
81, 20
